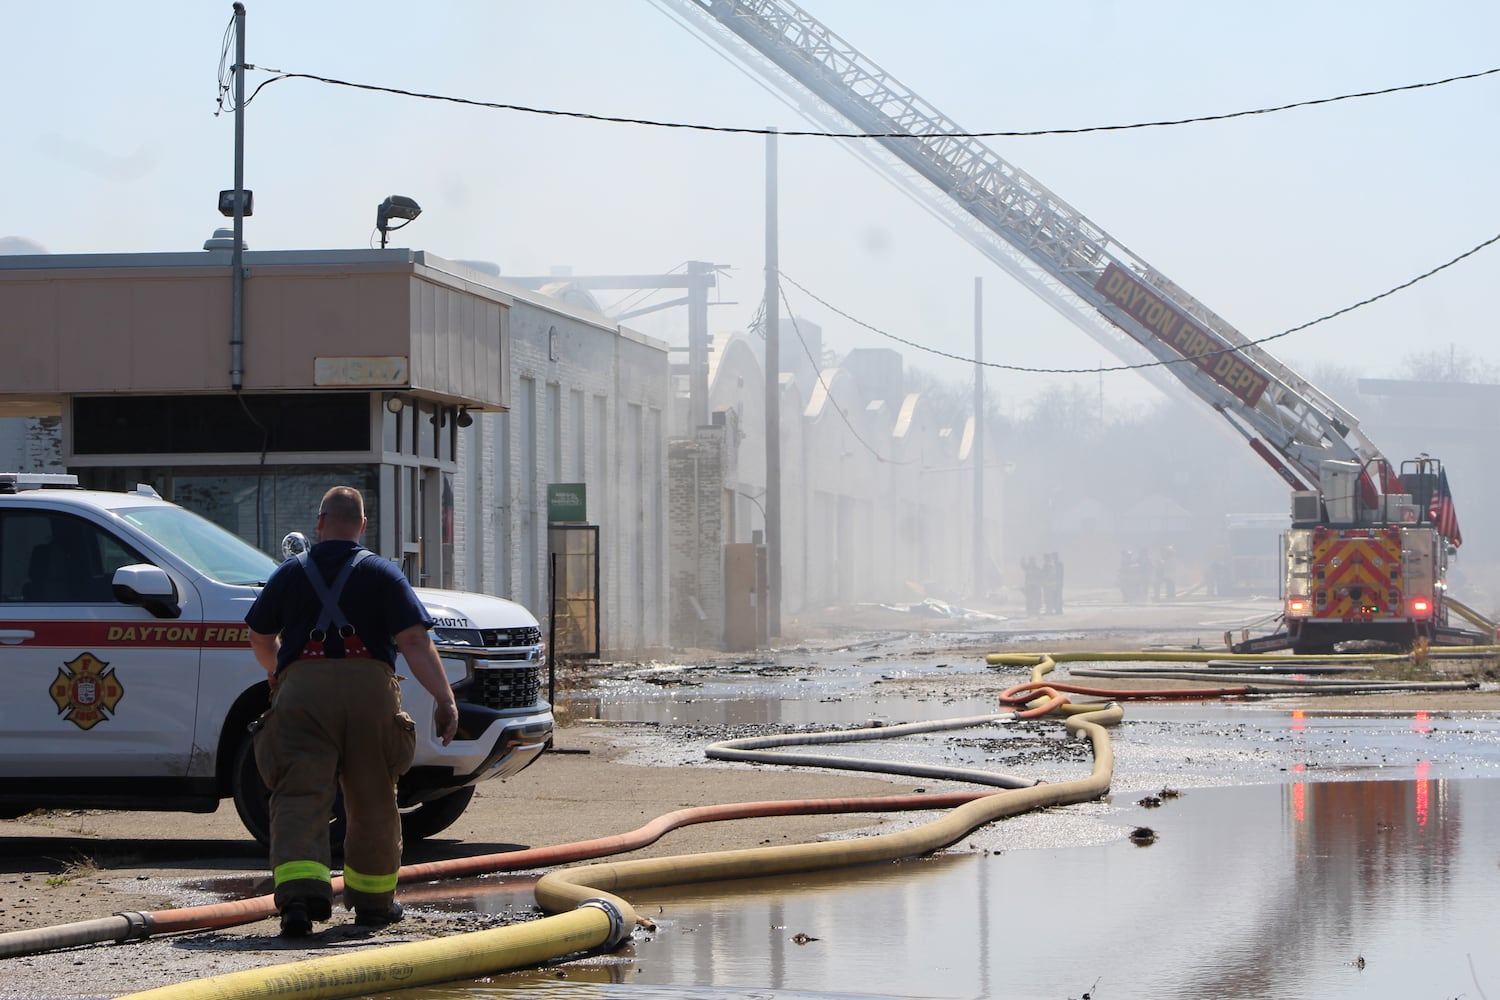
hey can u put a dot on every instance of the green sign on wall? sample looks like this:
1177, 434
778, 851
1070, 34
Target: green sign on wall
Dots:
567, 502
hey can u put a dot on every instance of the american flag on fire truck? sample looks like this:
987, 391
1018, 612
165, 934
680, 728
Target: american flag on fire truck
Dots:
1440, 509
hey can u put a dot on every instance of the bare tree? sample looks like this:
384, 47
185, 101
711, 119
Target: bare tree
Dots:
1065, 414
1453, 365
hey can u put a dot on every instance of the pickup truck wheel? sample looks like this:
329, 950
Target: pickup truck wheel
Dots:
253, 802
431, 818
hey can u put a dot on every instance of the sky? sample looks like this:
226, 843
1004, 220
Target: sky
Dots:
114, 143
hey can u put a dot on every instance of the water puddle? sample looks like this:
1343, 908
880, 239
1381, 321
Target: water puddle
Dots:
1327, 889
765, 693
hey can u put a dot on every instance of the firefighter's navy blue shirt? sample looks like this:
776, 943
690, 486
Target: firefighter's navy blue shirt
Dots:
377, 600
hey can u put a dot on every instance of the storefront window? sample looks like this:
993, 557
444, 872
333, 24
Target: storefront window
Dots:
259, 506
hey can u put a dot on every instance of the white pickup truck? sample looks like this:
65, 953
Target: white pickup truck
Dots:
130, 683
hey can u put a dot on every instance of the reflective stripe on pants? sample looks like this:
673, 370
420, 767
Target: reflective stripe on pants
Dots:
335, 723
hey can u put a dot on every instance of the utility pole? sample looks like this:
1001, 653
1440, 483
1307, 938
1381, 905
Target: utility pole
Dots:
979, 548
773, 399
237, 254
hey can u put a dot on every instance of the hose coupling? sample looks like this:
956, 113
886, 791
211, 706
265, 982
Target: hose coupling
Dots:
619, 933
138, 925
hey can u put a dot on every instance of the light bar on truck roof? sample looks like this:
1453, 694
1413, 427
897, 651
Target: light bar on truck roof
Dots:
15, 482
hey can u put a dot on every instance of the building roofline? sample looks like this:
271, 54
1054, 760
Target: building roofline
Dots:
352, 258
204, 258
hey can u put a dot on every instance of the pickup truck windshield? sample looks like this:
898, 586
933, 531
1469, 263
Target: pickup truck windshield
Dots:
202, 544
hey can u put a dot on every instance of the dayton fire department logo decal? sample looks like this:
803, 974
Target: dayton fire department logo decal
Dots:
86, 691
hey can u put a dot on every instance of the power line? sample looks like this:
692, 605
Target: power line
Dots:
588, 116
739, 130
1145, 364
827, 389
226, 71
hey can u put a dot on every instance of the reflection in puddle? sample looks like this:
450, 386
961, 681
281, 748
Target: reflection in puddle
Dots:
1322, 889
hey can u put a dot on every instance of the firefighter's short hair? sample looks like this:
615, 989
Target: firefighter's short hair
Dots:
343, 504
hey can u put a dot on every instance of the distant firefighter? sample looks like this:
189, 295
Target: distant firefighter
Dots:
1052, 584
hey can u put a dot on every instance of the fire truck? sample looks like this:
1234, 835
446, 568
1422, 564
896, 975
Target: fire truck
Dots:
1368, 556
1361, 564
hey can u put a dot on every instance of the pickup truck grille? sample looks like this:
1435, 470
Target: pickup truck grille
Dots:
506, 687
505, 664
503, 643
524, 636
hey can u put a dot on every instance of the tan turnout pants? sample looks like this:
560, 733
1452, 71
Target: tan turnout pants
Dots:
335, 723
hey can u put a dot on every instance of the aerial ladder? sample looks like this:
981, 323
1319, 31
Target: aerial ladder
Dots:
1111, 293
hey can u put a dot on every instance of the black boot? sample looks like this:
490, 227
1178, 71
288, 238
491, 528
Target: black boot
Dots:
295, 923
378, 918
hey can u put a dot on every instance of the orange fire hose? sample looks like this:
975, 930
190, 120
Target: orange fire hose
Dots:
1052, 698
231, 913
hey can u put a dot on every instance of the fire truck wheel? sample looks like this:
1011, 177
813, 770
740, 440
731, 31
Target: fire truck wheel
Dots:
432, 818
253, 802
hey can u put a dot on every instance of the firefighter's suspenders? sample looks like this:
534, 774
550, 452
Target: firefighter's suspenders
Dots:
331, 618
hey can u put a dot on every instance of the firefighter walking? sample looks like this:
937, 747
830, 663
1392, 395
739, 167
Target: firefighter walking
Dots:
327, 628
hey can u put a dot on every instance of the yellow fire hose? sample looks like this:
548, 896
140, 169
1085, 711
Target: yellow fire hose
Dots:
417, 963
587, 915
571, 886
1266, 673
